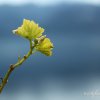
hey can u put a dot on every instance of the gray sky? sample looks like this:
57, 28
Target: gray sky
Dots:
47, 2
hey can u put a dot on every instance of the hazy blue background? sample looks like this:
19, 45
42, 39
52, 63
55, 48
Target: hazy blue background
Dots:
74, 28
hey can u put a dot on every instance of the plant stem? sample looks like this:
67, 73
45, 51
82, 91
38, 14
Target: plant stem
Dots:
13, 66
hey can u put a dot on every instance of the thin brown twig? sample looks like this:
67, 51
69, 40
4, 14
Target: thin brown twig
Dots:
13, 66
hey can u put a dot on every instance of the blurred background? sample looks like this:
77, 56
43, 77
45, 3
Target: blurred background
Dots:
74, 69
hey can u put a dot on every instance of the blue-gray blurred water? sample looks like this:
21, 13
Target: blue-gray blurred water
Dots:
75, 65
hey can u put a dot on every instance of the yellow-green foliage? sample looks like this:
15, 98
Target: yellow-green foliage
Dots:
31, 31
45, 46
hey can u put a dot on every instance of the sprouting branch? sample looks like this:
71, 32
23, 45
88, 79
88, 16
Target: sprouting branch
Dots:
38, 42
13, 66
